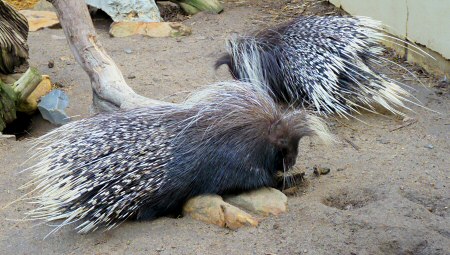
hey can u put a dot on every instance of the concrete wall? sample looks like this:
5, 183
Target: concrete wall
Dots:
424, 22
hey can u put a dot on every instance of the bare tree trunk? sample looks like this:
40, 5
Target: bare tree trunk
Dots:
111, 92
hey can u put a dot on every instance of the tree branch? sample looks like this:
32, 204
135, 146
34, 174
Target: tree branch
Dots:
111, 92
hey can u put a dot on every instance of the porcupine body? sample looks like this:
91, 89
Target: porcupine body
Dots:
321, 62
147, 162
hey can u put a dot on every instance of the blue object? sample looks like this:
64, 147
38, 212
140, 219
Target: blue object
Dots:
52, 107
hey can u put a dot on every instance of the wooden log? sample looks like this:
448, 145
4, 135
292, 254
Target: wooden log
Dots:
189, 9
12, 96
111, 92
26, 84
193, 6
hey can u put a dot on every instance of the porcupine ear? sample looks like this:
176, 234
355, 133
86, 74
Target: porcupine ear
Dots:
280, 133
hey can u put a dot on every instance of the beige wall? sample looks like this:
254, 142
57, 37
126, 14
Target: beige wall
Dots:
425, 22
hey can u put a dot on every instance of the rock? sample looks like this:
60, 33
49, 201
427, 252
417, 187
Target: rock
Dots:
152, 29
212, 209
321, 170
51, 64
9, 137
129, 10
264, 201
22, 4
128, 51
408, 119
40, 19
52, 107
44, 5
429, 146
30, 105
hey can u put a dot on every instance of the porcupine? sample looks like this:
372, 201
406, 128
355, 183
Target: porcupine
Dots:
13, 38
144, 163
325, 63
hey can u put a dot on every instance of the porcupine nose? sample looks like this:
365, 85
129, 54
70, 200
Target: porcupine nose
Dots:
290, 161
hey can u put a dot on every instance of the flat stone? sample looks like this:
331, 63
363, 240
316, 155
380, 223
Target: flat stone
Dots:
213, 210
151, 29
52, 107
129, 10
264, 201
40, 19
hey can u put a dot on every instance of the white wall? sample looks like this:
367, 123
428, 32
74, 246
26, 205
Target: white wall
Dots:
425, 22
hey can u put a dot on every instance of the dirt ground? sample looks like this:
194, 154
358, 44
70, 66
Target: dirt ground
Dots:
387, 192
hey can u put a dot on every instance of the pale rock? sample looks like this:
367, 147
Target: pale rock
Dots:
212, 209
40, 19
22, 4
53, 105
128, 10
151, 29
8, 137
264, 201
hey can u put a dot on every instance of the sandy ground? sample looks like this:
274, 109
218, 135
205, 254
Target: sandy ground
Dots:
388, 193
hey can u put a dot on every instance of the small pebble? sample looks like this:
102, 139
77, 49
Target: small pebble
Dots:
131, 77
51, 64
429, 146
59, 84
128, 51
321, 170
340, 169
348, 207
407, 119
382, 141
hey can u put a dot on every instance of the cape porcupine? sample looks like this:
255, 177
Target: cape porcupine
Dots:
323, 62
146, 162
